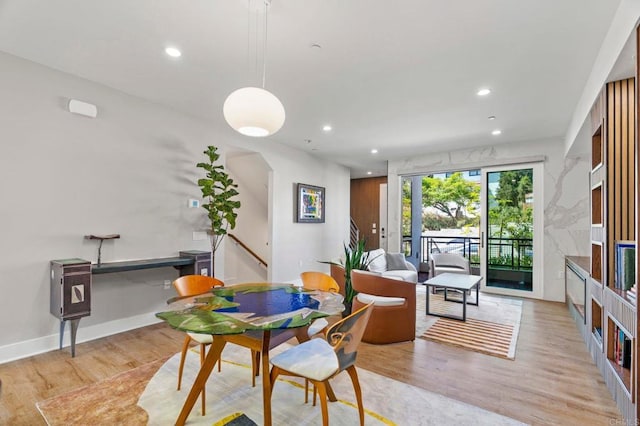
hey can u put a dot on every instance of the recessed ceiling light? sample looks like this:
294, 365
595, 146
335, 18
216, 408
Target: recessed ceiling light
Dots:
492, 117
483, 92
316, 46
496, 132
327, 128
374, 151
369, 173
173, 52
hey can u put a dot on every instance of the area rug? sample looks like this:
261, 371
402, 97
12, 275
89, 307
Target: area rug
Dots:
232, 401
111, 401
229, 392
481, 336
491, 328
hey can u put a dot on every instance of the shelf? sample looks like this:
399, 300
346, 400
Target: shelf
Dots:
134, 265
596, 262
596, 321
596, 205
620, 352
623, 374
622, 294
596, 148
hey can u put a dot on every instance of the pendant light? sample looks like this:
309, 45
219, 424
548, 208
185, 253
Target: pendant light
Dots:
254, 111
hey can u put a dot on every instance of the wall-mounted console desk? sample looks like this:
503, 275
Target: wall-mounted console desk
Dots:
71, 282
188, 263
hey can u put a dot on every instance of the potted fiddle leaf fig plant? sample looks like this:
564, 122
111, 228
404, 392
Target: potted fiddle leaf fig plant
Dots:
218, 191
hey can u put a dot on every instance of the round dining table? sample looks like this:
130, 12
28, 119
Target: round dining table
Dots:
255, 315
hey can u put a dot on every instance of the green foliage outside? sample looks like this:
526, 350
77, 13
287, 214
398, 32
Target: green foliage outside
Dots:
453, 196
218, 189
406, 206
510, 215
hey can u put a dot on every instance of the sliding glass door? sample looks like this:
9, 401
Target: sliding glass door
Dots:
511, 230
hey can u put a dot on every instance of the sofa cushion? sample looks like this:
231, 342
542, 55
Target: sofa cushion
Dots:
378, 260
395, 261
405, 275
451, 269
379, 300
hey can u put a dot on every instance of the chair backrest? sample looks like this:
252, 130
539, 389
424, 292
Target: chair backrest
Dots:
452, 260
313, 280
191, 285
338, 274
346, 334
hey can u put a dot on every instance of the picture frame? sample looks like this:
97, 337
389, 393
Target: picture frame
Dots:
625, 263
310, 201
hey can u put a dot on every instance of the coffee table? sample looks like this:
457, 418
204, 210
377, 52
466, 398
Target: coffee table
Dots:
450, 281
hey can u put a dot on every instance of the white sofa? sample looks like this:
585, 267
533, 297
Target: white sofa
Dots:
392, 265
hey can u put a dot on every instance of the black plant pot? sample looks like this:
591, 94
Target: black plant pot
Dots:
347, 309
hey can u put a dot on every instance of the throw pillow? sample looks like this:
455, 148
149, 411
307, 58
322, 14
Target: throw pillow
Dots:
395, 262
378, 261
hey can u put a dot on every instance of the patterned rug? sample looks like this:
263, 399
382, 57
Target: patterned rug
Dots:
476, 335
491, 328
232, 401
111, 401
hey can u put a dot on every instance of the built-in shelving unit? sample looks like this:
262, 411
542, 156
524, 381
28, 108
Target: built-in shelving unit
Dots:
611, 317
619, 355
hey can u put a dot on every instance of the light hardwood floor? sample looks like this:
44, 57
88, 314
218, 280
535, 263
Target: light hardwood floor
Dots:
552, 380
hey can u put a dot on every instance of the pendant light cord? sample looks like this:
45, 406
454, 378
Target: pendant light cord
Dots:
264, 47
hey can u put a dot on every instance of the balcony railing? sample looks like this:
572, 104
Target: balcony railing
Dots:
504, 253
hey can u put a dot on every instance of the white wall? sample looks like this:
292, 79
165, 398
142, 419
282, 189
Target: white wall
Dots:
251, 173
130, 171
298, 247
566, 197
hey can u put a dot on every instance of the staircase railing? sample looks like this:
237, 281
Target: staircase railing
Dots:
354, 234
248, 250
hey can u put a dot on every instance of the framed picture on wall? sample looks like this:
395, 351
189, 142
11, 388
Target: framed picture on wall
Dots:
310, 203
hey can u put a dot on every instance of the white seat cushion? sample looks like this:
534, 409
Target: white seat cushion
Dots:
317, 326
314, 359
405, 275
450, 269
378, 260
379, 300
207, 339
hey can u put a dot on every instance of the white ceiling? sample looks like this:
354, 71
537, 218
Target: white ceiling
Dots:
398, 76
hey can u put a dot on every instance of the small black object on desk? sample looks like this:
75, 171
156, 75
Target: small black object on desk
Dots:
101, 238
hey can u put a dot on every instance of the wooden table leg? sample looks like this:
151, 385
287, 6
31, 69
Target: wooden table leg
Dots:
266, 382
201, 380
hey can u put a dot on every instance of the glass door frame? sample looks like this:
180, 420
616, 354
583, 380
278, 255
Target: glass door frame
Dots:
538, 231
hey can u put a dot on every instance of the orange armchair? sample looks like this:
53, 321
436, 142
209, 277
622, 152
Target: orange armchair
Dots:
393, 318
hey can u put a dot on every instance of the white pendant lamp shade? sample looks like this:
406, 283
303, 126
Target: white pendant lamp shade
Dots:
253, 111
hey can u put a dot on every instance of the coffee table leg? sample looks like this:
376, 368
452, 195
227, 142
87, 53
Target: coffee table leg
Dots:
464, 305
427, 301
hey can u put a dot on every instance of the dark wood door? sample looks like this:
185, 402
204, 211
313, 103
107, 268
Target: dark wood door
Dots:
365, 208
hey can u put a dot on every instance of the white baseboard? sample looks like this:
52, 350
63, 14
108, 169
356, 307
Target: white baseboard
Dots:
40, 345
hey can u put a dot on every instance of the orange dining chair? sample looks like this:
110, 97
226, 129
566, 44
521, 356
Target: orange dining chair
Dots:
319, 360
314, 280
193, 285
